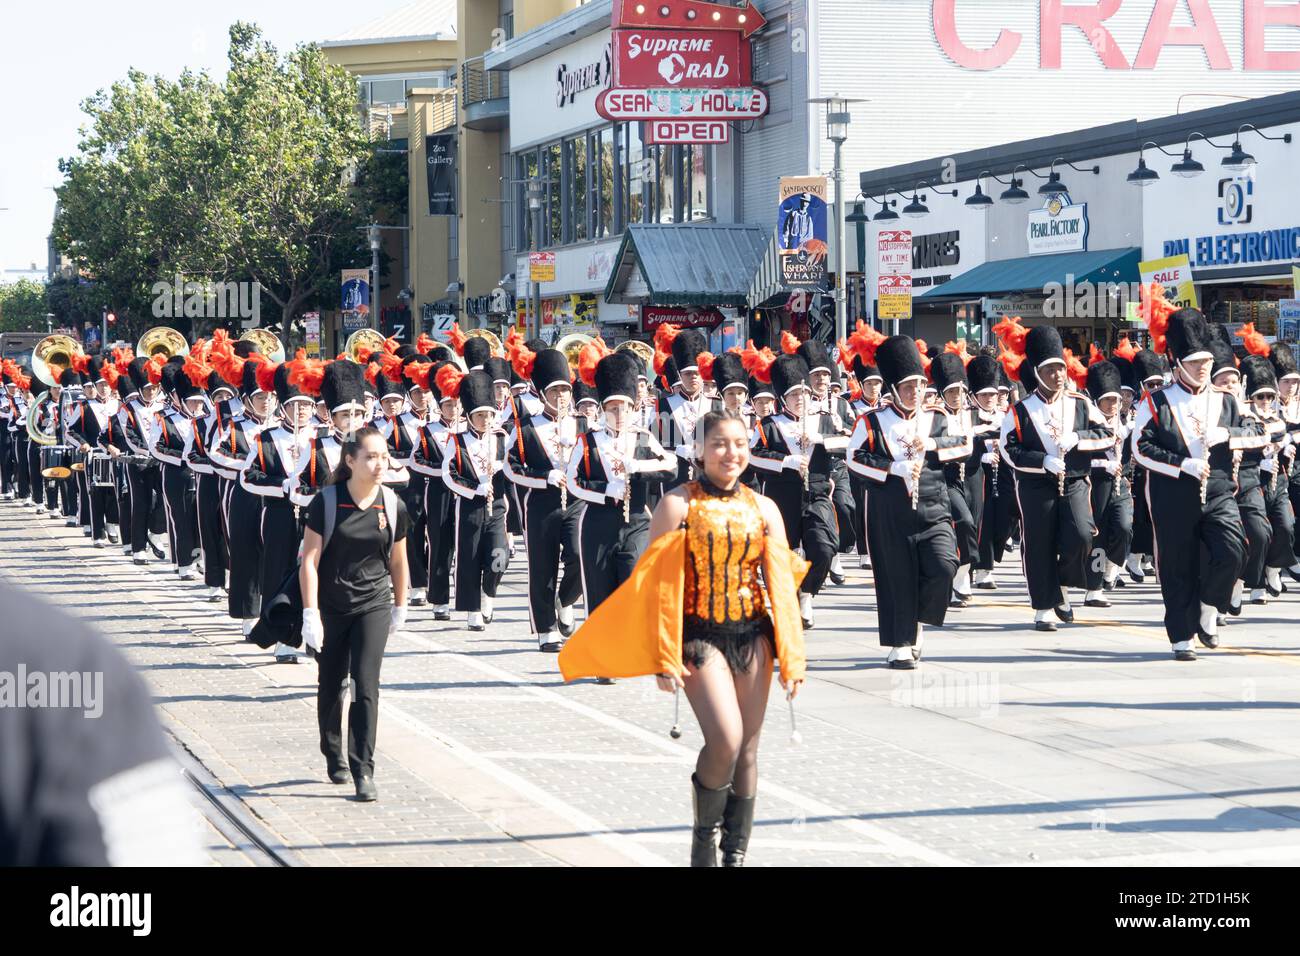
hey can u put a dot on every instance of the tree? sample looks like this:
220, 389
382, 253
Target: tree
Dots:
23, 307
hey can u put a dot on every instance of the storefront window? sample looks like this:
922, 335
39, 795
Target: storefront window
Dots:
525, 169
602, 177
634, 161
575, 161
695, 179
554, 225
665, 185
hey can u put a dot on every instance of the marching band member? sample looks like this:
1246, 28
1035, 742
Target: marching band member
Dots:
984, 377
687, 401
1260, 389
115, 441
403, 405
148, 519
13, 428
538, 454
339, 386
269, 472
208, 496
427, 459
1050, 438
473, 470
1111, 494
794, 449
902, 448
1288, 394
1185, 436
229, 451
85, 430
822, 401
173, 435
964, 476
1149, 372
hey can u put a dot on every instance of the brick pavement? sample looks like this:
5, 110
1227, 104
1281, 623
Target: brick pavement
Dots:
1090, 745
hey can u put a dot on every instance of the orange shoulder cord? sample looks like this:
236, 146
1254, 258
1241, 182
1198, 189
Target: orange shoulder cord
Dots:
586, 454
1016, 415
312, 464
261, 456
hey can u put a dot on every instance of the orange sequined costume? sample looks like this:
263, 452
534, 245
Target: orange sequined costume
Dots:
723, 603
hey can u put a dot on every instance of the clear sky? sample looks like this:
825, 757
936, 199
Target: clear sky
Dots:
57, 55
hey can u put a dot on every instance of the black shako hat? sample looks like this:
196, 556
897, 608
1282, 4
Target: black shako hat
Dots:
616, 377
788, 373
498, 368
477, 351
138, 372
551, 367
898, 360
285, 391
947, 370
1224, 359
982, 374
476, 392
1219, 333
1188, 336
729, 371
1259, 375
176, 382
582, 392
1127, 374
1147, 365
343, 386
70, 378
1043, 344
1283, 361
1103, 379
687, 347
816, 355
864, 372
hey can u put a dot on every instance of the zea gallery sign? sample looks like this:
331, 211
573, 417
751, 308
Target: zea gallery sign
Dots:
1223, 219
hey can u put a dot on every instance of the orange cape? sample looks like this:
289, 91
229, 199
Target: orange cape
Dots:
637, 631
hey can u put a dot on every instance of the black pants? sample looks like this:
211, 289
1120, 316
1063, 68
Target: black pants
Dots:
8, 463
551, 540
67, 491
22, 472
147, 515
440, 534
82, 497
913, 560
244, 522
517, 517
966, 503
1293, 491
1056, 534
417, 547
353, 647
481, 552
1000, 514
846, 520
1281, 553
102, 501
1199, 549
1112, 512
809, 523
182, 520
858, 488
280, 540
1259, 534
121, 479
37, 484
610, 548
1144, 541
212, 531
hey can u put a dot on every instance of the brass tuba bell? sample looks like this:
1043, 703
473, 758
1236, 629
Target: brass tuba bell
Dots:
267, 343
162, 341
54, 350
645, 353
363, 338
572, 345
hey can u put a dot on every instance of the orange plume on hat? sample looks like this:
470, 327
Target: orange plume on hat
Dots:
155, 367
589, 357
789, 342
1011, 362
81, 363
705, 363
1155, 310
664, 336
1012, 334
196, 370
864, 341
1075, 369
307, 374
1095, 355
448, 381
457, 338
522, 359
959, 349
425, 343
925, 359
418, 373
391, 366
1125, 349
123, 358
1255, 342
266, 377
373, 371
364, 354
845, 354
391, 345
110, 373
758, 362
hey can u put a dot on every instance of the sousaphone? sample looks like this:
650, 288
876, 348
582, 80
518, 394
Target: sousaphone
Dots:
363, 338
162, 341
267, 343
572, 345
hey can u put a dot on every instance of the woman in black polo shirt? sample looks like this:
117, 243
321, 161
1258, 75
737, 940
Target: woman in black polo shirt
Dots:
349, 609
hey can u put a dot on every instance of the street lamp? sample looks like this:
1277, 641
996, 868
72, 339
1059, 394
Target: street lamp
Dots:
837, 131
376, 241
536, 190
49, 323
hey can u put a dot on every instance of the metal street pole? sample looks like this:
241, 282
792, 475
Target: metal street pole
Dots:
103, 331
841, 258
375, 241
535, 191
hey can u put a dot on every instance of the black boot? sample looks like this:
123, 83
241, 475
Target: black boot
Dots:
737, 824
709, 807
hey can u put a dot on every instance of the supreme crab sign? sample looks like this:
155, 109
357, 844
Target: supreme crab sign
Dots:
665, 58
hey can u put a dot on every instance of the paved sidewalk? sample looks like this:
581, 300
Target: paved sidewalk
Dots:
1090, 745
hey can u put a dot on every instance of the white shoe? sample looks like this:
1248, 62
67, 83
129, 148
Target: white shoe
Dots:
249, 624
100, 543
565, 615
900, 653
140, 558
284, 654
1093, 596
836, 567
1065, 600
920, 639
553, 638
1258, 596
805, 609
485, 605
475, 622
1209, 619
961, 583
1237, 588
40, 509
186, 574
417, 597
864, 562
1273, 578
215, 595
1295, 568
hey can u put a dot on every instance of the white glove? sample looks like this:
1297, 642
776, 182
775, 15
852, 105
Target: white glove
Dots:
988, 458
482, 489
288, 486
1068, 442
1196, 467
1054, 465
903, 469
796, 462
1269, 465
396, 618
931, 444
1217, 435
313, 631
632, 466
556, 478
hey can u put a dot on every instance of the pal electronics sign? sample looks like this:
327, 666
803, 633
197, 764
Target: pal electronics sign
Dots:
1225, 219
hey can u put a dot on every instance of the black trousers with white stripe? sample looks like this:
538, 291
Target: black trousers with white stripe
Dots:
147, 514
551, 540
280, 540
1200, 550
1281, 553
1259, 533
440, 534
809, 519
244, 523
1112, 512
482, 555
181, 509
1056, 535
610, 548
212, 531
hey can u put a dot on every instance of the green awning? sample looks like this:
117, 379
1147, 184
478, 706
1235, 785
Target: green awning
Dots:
1034, 273
706, 264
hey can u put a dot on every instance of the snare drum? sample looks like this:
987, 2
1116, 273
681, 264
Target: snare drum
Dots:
56, 461
78, 460
101, 471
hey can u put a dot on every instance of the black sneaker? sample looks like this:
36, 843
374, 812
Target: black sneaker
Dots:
552, 647
1209, 640
1096, 602
1066, 617
340, 775
367, 792
1184, 655
1044, 625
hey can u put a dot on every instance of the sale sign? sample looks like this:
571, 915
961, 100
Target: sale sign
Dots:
669, 58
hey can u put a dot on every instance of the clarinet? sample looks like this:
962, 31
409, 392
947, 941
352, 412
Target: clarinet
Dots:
1060, 479
993, 465
917, 464
1205, 441
803, 442
627, 478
